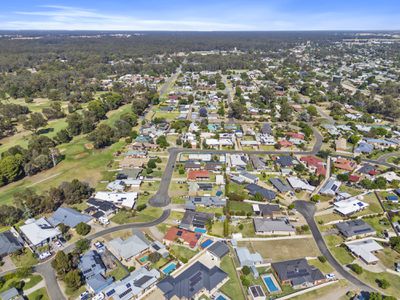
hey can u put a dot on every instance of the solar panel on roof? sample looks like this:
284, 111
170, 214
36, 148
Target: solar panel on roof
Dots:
179, 233
109, 293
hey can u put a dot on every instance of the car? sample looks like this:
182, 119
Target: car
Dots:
84, 296
99, 296
330, 276
44, 255
58, 244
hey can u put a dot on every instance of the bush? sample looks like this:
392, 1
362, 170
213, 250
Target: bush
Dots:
82, 245
154, 257
383, 283
356, 268
246, 270
83, 228
141, 207
322, 258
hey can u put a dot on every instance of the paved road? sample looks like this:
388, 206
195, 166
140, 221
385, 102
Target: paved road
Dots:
307, 209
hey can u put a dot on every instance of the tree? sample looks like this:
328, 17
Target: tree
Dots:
102, 136
154, 257
356, 268
9, 215
162, 142
61, 263
63, 136
73, 279
82, 245
246, 270
83, 228
74, 122
35, 121
11, 168
383, 283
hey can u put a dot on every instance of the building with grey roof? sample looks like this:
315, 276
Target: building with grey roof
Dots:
98, 283
330, 187
247, 177
218, 249
266, 129
193, 219
135, 285
257, 162
255, 189
11, 294
298, 273
10, 242
207, 201
194, 280
91, 264
355, 228
248, 259
267, 210
280, 185
264, 226
130, 247
68, 216
256, 292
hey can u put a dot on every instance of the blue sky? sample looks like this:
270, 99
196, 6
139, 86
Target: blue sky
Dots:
200, 14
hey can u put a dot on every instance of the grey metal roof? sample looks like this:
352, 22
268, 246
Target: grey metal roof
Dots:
268, 209
266, 129
256, 189
196, 219
280, 185
267, 225
297, 271
194, 279
219, 249
98, 283
9, 243
354, 228
91, 264
285, 161
9, 294
206, 200
68, 216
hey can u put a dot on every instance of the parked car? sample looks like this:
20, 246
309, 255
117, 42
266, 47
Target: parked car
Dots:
330, 276
84, 296
99, 296
44, 255
58, 244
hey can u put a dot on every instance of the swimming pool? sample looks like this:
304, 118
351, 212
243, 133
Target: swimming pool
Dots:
220, 297
270, 283
169, 268
143, 259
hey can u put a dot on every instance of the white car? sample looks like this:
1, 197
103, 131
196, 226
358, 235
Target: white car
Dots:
58, 244
44, 255
85, 295
99, 296
330, 276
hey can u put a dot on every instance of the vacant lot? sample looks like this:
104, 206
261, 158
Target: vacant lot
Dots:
278, 250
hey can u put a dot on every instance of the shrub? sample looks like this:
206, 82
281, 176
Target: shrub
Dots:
246, 270
322, 258
383, 283
141, 207
83, 228
356, 268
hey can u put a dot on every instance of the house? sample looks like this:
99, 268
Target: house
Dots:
257, 162
255, 189
192, 219
285, 143
195, 175
256, 292
344, 164
267, 210
349, 206
248, 259
218, 250
10, 242
295, 135
314, 164
99, 208
121, 185
297, 273
130, 247
237, 161
189, 238
365, 249
364, 148
11, 294
355, 228
207, 201
367, 169
280, 185
390, 176
298, 184
192, 165
266, 129
133, 286
120, 199
247, 177
94, 271
273, 227
68, 216
213, 166
330, 187
195, 280
39, 232
159, 247
285, 161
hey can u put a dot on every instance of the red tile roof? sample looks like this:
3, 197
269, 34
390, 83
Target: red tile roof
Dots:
189, 237
285, 143
198, 174
296, 135
344, 164
354, 178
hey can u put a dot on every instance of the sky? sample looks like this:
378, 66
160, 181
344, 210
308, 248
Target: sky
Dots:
200, 15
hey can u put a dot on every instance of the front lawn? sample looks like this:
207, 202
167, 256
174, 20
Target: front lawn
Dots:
26, 259
182, 253
232, 288
39, 294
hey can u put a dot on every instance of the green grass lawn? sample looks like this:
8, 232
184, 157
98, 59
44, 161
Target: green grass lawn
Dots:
339, 252
119, 272
319, 293
232, 288
30, 281
182, 252
39, 294
148, 214
323, 267
237, 206
26, 259
378, 223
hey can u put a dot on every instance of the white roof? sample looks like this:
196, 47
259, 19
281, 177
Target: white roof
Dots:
349, 206
122, 199
236, 160
390, 176
364, 249
297, 183
39, 231
203, 157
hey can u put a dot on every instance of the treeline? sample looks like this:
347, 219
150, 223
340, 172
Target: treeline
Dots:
30, 204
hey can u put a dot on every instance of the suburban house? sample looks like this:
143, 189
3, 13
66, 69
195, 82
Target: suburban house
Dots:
248, 178
130, 247
281, 186
344, 164
330, 187
68, 216
314, 164
349, 206
99, 208
354, 229
207, 201
94, 271
10, 242
218, 250
365, 249
11, 294
267, 210
192, 219
299, 184
133, 286
196, 175
39, 232
298, 273
255, 189
187, 237
257, 162
195, 280
256, 292
264, 226
127, 200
